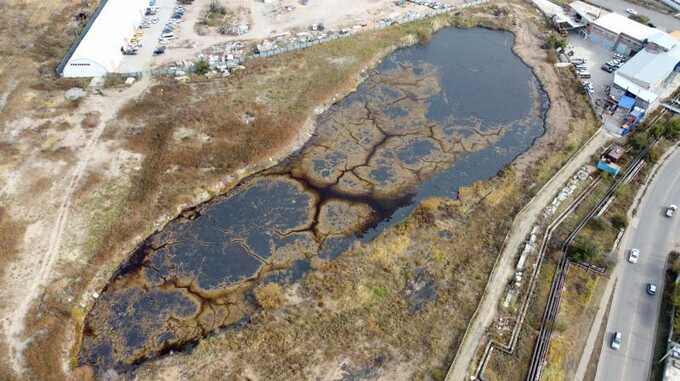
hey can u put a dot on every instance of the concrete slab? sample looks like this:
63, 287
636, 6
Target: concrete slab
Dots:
595, 56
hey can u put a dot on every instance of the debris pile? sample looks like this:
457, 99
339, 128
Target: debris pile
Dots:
567, 191
434, 4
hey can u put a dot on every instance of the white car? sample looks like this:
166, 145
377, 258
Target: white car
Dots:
617, 338
651, 289
634, 256
670, 211
631, 11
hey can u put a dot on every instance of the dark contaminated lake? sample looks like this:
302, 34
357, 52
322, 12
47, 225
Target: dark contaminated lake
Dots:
428, 120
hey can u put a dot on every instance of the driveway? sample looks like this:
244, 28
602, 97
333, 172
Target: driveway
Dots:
595, 55
633, 312
661, 20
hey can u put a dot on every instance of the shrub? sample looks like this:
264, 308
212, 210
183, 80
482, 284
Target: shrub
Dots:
269, 296
619, 221
555, 41
201, 67
585, 251
640, 18
597, 224
640, 140
672, 129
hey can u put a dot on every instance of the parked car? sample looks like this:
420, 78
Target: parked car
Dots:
159, 50
670, 211
651, 288
631, 11
608, 68
617, 338
634, 256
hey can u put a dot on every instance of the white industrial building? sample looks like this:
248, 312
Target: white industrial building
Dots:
619, 33
98, 50
584, 12
648, 75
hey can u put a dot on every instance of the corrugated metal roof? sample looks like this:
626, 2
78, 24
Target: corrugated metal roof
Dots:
663, 39
114, 23
618, 24
648, 68
588, 11
633, 88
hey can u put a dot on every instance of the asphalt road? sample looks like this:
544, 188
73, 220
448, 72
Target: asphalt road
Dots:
660, 20
633, 312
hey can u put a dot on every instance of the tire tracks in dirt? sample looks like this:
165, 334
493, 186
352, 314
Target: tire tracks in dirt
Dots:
14, 325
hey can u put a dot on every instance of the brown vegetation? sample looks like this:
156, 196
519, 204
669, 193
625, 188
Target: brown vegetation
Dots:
270, 296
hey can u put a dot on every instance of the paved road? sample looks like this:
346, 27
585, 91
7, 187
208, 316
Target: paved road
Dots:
633, 312
660, 20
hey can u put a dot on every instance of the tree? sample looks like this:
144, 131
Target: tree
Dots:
672, 129
640, 140
585, 250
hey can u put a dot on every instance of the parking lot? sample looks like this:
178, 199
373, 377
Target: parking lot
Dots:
142, 60
595, 55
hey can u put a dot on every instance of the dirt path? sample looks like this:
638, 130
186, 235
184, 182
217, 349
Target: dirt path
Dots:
13, 326
505, 268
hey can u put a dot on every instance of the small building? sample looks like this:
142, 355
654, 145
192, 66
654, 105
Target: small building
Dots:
97, 51
610, 168
558, 15
615, 153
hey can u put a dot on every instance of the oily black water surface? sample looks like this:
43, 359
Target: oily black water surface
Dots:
429, 119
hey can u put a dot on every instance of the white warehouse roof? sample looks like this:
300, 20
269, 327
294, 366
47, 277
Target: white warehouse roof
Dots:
618, 24
587, 11
643, 74
663, 39
99, 50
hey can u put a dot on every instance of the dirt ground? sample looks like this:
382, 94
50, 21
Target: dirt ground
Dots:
569, 118
85, 180
266, 20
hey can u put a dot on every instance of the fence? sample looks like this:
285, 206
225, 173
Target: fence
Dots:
407, 19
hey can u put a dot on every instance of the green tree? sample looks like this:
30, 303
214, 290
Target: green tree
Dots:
640, 140
672, 130
585, 250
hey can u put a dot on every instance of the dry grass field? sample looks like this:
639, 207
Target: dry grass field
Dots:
130, 160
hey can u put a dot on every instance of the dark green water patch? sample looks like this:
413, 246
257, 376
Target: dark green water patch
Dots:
429, 119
